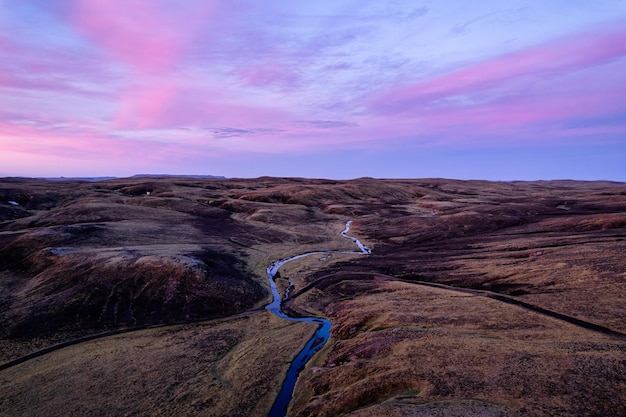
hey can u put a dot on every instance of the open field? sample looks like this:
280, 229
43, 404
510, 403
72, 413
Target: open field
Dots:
479, 298
418, 350
222, 367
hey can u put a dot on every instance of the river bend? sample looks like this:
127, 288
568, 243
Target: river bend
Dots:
321, 335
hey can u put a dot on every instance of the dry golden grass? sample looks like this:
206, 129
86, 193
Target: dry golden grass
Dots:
402, 349
583, 279
225, 367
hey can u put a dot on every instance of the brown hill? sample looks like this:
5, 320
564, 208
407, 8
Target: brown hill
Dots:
483, 298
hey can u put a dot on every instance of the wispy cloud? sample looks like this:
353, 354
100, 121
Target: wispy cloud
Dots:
144, 34
512, 71
553, 82
461, 28
233, 132
327, 124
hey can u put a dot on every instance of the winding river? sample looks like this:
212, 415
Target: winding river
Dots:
319, 338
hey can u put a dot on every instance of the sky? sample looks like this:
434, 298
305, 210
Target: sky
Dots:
488, 89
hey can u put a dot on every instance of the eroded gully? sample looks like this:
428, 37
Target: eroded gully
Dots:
319, 338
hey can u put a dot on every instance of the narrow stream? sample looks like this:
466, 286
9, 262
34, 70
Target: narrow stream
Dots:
319, 338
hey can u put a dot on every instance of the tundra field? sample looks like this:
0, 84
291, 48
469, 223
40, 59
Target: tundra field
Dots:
146, 296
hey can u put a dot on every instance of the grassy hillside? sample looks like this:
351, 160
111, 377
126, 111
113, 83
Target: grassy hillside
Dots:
483, 298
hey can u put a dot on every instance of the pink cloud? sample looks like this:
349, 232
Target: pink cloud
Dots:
147, 35
270, 73
141, 105
153, 39
163, 88
585, 94
506, 73
76, 148
27, 55
167, 102
567, 87
73, 141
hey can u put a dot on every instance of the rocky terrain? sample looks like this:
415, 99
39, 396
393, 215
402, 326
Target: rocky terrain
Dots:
479, 298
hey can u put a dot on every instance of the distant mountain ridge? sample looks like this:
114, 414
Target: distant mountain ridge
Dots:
95, 179
90, 179
174, 175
